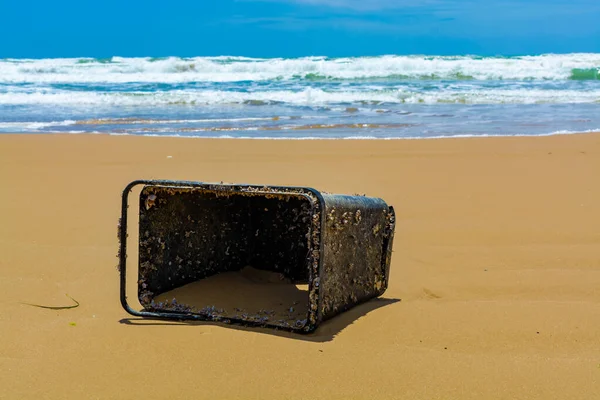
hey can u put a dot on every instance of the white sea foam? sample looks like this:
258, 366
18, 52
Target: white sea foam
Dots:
306, 97
228, 69
449, 136
32, 126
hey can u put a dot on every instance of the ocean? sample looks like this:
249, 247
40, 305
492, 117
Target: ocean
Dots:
303, 98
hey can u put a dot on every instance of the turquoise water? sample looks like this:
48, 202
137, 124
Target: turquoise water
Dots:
314, 97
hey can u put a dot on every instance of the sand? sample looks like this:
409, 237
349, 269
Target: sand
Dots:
249, 294
494, 291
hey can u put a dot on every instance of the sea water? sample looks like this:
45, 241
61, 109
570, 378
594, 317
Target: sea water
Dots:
303, 98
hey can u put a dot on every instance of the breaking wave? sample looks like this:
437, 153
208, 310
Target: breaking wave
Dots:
579, 66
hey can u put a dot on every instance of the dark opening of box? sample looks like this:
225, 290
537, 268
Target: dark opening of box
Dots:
225, 254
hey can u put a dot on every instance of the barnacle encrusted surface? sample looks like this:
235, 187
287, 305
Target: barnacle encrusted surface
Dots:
357, 231
188, 234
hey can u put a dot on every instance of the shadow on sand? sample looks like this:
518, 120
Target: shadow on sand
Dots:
326, 332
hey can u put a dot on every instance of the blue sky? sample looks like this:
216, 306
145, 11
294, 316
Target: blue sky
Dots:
292, 28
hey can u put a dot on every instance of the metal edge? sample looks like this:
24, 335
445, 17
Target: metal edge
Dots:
388, 245
123, 246
311, 327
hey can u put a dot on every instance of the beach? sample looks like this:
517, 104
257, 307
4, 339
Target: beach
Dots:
494, 290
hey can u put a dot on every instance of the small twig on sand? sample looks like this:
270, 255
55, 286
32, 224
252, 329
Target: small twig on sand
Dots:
55, 308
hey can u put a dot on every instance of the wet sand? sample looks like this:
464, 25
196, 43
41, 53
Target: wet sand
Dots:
494, 291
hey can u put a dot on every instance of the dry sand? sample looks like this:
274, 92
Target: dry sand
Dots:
249, 294
496, 263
